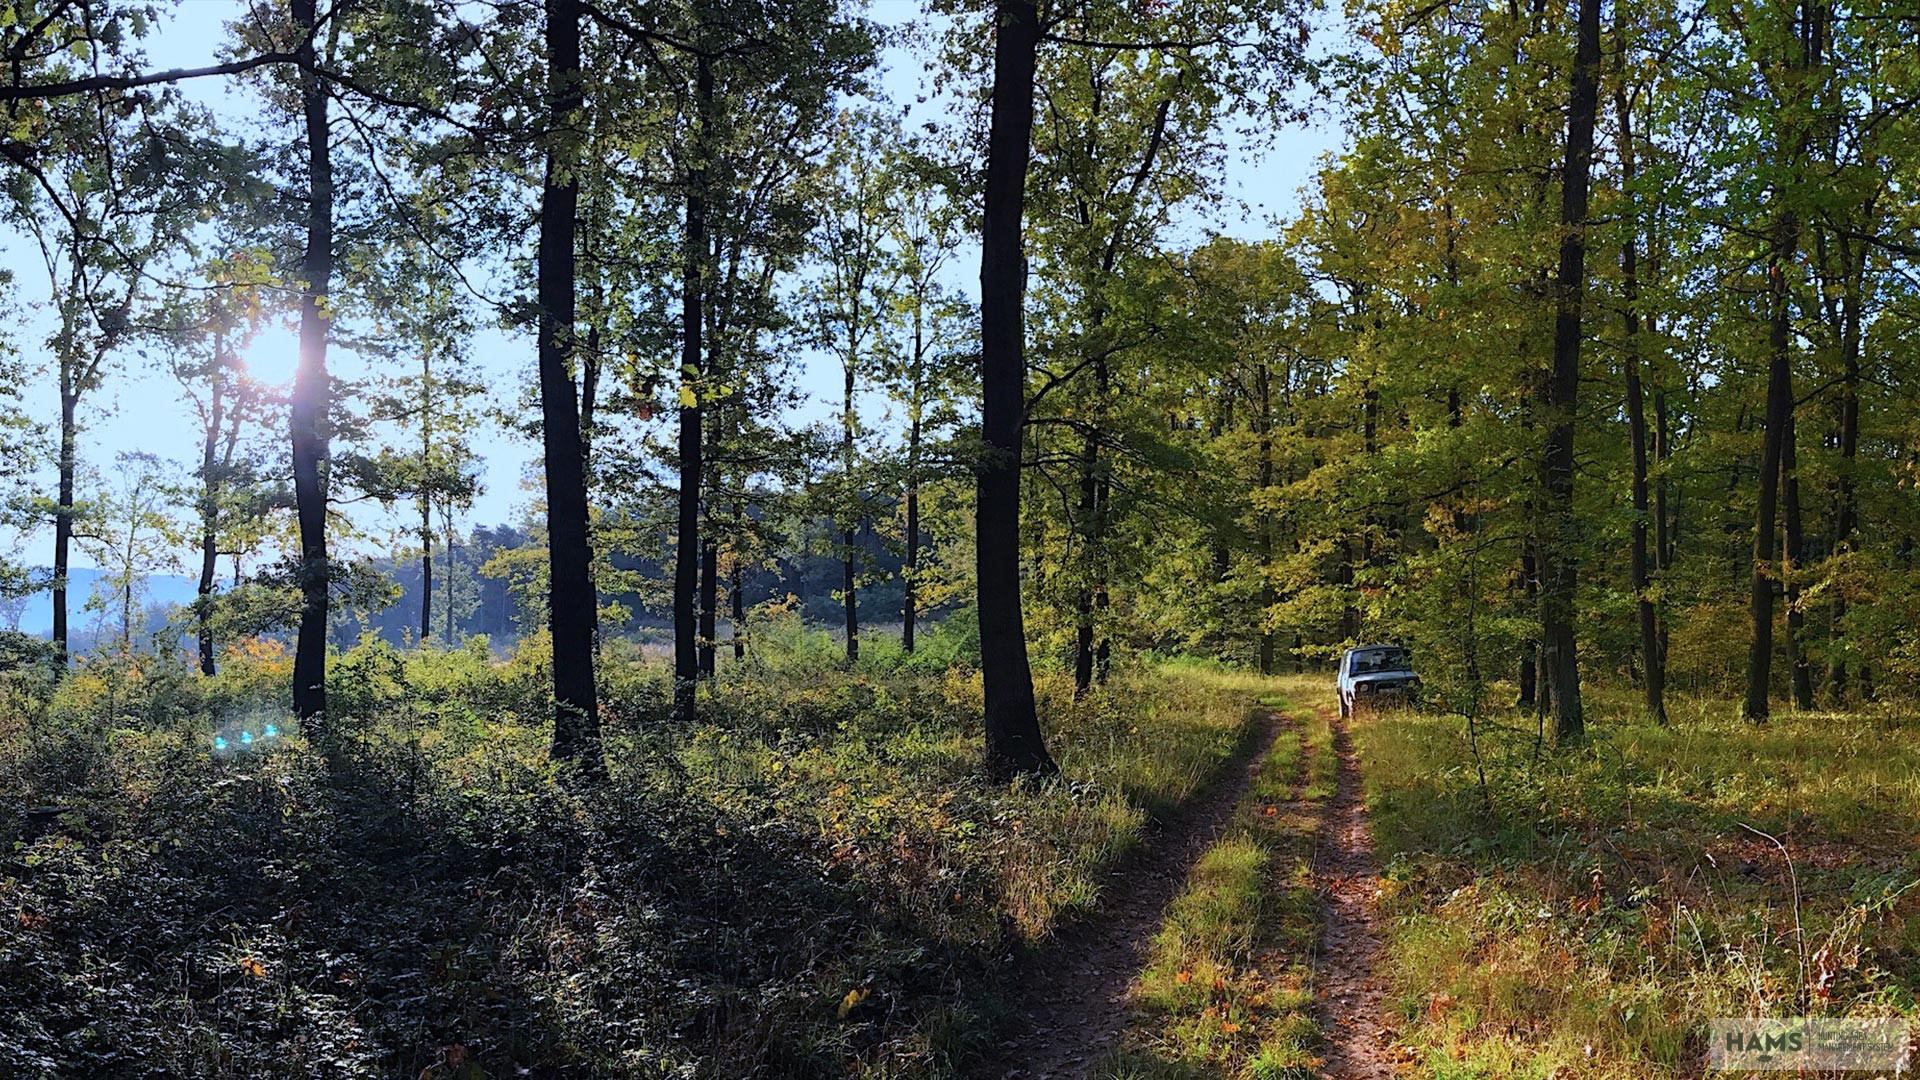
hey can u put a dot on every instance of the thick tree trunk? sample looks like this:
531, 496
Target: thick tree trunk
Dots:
1779, 419
576, 721
686, 559
1014, 744
1559, 547
308, 408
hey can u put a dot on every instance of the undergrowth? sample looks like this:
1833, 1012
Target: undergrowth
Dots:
809, 882
1585, 913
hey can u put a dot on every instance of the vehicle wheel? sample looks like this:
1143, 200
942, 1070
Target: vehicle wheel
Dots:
1346, 710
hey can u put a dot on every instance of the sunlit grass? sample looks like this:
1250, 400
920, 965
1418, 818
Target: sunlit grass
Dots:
1584, 913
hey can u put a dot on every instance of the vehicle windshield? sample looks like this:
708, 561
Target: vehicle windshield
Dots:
1367, 661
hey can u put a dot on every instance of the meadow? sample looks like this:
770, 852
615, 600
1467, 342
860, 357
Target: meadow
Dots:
813, 880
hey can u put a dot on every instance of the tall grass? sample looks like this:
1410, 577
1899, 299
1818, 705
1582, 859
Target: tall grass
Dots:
794, 886
1586, 912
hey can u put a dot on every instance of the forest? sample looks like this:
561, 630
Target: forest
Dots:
920, 643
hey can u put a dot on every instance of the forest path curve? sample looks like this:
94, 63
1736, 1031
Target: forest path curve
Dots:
1072, 1002
1359, 1041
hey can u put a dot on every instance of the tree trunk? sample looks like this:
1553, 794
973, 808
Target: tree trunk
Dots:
1792, 557
1779, 419
1529, 674
1263, 384
909, 585
1846, 514
849, 594
210, 480
709, 602
1088, 511
451, 563
686, 559
1558, 547
737, 593
426, 570
1014, 744
308, 408
1665, 523
571, 600
909, 582
1655, 681
63, 514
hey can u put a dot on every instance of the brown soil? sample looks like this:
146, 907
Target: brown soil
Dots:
1360, 1043
1071, 999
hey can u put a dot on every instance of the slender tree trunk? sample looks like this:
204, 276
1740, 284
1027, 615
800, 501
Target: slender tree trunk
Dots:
1263, 385
849, 562
310, 423
1664, 526
426, 570
1779, 419
1529, 674
1846, 514
686, 560
571, 600
210, 480
1088, 511
1655, 680
737, 593
1792, 557
910, 582
1558, 564
425, 499
1014, 743
1102, 599
709, 602
451, 563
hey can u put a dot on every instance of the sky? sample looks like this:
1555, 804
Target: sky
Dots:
142, 409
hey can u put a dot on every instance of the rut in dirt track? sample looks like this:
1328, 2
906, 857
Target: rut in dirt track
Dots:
1359, 1043
1072, 999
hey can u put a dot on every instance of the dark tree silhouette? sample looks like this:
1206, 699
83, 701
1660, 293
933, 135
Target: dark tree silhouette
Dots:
576, 718
1014, 742
312, 393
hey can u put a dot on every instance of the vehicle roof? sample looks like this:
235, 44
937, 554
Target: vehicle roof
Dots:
1370, 648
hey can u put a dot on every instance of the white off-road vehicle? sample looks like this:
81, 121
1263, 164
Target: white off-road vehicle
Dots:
1376, 675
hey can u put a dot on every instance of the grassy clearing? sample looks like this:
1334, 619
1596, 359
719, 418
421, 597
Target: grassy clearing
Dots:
1228, 990
1584, 914
808, 883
